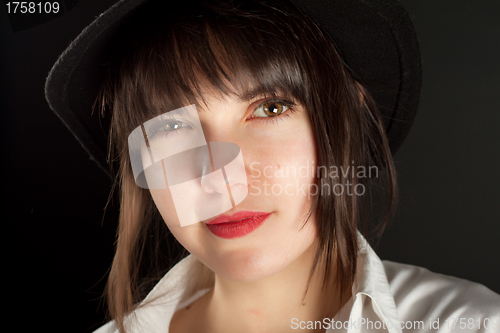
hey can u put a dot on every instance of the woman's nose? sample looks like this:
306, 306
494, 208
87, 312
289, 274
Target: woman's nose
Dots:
214, 182
214, 177
226, 172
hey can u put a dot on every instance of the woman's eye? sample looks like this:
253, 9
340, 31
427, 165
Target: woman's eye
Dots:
166, 127
173, 125
270, 109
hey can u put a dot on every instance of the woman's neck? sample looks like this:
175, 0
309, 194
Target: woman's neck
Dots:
266, 305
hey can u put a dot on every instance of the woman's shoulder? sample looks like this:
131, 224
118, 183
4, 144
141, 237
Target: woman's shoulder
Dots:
457, 303
154, 313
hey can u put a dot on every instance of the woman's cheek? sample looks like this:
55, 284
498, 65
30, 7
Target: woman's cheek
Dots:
288, 172
191, 236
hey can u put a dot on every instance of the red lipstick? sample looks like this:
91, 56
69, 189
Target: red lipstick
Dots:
237, 225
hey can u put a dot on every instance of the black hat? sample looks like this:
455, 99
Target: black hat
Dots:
375, 38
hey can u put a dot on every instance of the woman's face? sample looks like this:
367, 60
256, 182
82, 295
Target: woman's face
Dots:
279, 156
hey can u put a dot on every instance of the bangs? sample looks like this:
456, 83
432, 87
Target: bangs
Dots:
176, 55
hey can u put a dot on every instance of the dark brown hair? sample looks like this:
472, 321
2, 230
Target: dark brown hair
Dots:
169, 53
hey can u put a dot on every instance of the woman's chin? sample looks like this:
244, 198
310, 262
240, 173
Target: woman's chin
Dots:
245, 266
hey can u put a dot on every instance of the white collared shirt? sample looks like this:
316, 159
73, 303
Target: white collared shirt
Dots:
386, 297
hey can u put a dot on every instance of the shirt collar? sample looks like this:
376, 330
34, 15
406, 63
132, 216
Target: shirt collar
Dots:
370, 282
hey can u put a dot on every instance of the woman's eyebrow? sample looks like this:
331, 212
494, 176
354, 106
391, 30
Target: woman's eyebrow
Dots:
251, 93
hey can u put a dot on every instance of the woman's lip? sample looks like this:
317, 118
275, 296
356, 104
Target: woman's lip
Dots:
236, 217
236, 225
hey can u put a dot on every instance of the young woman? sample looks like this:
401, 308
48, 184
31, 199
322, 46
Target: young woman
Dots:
315, 95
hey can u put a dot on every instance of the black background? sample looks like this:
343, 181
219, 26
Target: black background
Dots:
60, 242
